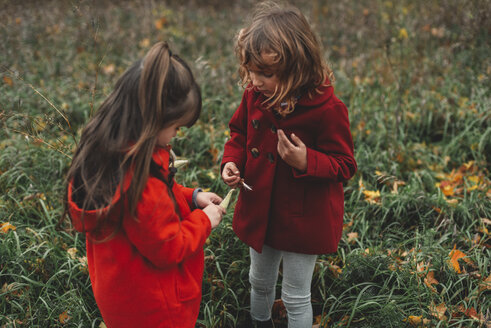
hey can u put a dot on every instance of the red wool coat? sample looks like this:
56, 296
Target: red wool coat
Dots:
150, 273
289, 210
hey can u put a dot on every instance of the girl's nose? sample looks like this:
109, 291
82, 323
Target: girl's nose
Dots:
255, 81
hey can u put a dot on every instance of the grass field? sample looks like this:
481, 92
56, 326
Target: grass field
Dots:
416, 77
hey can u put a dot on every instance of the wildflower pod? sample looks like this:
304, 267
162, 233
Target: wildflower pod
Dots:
180, 162
226, 201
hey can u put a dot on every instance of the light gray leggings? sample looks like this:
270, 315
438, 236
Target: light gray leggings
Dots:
295, 289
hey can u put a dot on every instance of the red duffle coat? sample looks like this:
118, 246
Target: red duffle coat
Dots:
150, 273
289, 210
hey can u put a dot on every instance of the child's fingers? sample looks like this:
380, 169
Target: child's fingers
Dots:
215, 199
283, 140
297, 141
230, 170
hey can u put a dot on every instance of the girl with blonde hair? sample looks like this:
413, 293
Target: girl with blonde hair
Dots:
290, 140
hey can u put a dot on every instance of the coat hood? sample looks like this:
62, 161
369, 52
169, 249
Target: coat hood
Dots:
87, 221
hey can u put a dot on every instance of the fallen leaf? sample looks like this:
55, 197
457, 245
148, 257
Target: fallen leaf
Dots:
160, 23
8, 81
109, 69
396, 185
145, 43
373, 197
486, 284
438, 311
430, 281
403, 34
417, 321
278, 312
5, 227
486, 221
335, 270
72, 252
447, 188
352, 237
64, 317
455, 255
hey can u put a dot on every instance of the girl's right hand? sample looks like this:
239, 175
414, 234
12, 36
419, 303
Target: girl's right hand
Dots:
215, 214
231, 174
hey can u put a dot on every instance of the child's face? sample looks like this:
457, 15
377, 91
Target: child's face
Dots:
166, 134
264, 80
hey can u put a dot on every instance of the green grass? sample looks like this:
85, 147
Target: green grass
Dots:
415, 76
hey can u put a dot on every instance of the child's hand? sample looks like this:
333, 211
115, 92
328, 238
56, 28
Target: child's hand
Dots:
204, 199
231, 174
215, 214
294, 154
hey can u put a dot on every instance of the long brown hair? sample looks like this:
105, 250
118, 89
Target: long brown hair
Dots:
152, 94
285, 33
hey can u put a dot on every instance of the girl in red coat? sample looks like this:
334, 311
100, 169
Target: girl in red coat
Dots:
144, 232
290, 140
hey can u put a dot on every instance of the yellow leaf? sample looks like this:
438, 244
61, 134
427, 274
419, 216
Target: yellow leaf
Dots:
430, 281
71, 252
438, 311
446, 188
109, 69
415, 320
335, 270
160, 23
403, 35
352, 237
474, 178
102, 325
360, 183
145, 43
452, 201
486, 284
8, 80
455, 255
64, 317
373, 197
5, 227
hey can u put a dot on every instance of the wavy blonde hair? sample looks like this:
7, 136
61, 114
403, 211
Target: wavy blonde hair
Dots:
285, 33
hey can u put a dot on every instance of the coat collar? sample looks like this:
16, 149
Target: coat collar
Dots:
161, 156
324, 93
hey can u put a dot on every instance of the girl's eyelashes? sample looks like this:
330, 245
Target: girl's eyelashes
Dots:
263, 73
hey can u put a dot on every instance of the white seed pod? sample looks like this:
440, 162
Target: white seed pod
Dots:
226, 201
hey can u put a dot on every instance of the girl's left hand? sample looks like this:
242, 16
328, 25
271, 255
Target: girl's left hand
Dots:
204, 199
293, 153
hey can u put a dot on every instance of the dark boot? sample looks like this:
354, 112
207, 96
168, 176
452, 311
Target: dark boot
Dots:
262, 324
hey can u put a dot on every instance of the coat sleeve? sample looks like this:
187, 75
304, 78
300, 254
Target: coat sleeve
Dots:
159, 234
187, 192
235, 148
333, 158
